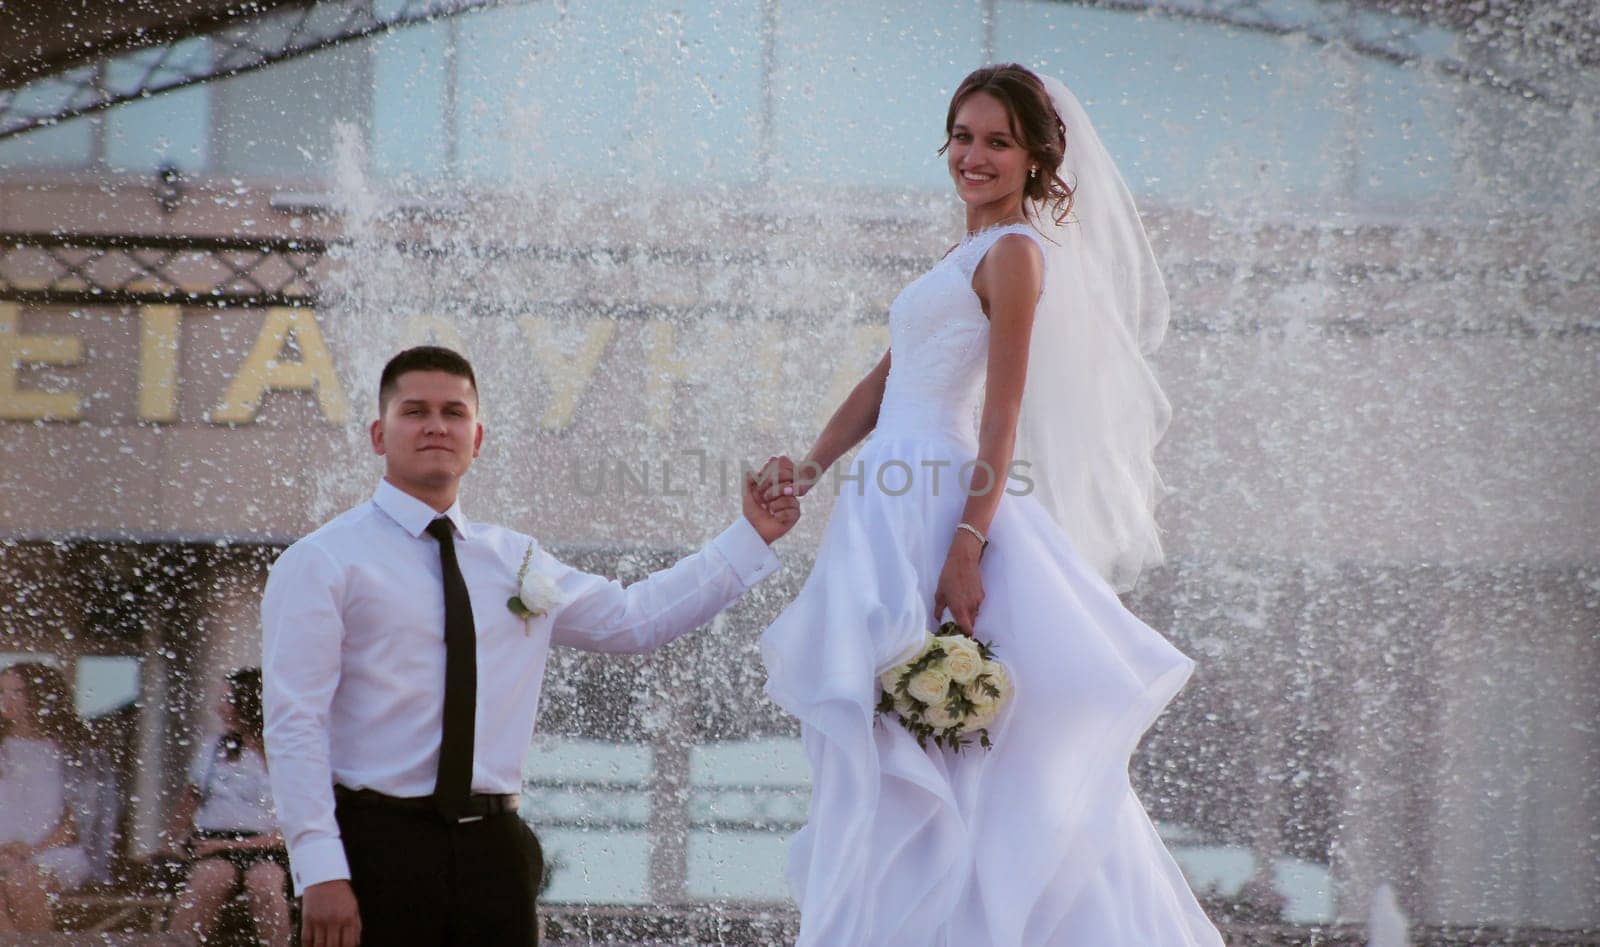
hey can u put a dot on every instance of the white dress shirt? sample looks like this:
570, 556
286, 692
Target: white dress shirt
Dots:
353, 653
235, 795
34, 798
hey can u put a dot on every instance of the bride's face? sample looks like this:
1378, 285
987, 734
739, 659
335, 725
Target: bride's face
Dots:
985, 160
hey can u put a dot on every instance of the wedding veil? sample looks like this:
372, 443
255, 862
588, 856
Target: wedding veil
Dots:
1092, 409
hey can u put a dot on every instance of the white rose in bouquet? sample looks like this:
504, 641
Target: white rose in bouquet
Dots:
940, 718
995, 674
889, 680
988, 693
982, 717
961, 658
930, 685
985, 710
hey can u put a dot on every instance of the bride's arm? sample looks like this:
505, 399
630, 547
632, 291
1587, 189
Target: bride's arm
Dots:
855, 418
1007, 282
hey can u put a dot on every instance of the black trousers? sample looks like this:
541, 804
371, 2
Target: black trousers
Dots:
423, 882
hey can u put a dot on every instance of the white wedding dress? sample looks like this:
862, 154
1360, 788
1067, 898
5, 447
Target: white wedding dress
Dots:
1039, 842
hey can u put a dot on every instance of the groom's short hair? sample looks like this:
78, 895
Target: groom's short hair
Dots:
423, 358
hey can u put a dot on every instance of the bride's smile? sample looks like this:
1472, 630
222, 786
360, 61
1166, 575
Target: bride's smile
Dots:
988, 167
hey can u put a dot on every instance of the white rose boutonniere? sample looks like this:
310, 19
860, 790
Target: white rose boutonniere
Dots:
537, 593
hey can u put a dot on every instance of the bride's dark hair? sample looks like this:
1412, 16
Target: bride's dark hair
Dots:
1034, 124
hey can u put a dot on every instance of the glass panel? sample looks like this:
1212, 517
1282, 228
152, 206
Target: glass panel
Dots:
589, 802
747, 799
409, 125
598, 867
106, 683
168, 128
1185, 108
282, 121
68, 145
1404, 151
1199, 112
746, 866
860, 90
635, 93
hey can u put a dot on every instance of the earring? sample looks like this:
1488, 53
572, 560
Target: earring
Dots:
1033, 172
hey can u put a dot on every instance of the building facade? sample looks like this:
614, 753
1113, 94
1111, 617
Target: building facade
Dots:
668, 236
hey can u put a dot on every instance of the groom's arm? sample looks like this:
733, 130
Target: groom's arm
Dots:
600, 614
302, 637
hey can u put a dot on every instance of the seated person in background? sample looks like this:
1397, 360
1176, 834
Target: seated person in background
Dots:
40, 738
225, 820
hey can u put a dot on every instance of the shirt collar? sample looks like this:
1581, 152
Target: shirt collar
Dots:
412, 514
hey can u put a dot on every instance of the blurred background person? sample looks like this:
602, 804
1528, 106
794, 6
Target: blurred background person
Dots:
225, 823
41, 740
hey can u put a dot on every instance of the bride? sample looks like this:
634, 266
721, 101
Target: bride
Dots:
1008, 481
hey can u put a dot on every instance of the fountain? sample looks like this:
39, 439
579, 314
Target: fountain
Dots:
667, 239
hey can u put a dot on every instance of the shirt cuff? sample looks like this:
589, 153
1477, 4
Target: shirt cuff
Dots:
314, 862
744, 549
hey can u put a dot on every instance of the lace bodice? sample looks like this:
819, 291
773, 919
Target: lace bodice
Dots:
939, 337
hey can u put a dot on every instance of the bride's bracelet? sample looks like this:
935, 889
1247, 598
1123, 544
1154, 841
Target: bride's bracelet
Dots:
983, 542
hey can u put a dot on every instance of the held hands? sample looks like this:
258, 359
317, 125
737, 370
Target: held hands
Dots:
781, 472
329, 916
960, 583
772, 517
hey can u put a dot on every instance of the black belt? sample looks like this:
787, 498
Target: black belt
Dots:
478, 804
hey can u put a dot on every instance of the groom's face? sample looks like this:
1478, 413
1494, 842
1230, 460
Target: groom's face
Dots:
429, 432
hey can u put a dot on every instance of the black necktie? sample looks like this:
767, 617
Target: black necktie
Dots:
454, 784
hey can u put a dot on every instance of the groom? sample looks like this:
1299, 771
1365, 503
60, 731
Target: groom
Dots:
401, 681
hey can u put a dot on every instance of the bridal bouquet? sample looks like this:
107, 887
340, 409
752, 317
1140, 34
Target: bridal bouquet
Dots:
950, 691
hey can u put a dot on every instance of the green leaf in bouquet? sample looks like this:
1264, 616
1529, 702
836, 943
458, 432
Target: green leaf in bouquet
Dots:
934, 655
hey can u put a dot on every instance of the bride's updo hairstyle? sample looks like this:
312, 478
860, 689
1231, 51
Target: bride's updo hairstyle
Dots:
1034, 124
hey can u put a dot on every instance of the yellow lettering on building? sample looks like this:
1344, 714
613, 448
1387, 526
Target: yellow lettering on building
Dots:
663, 371
665, 368
771, 391
266, 370
567, 373
16, 350
160, 329
866, 346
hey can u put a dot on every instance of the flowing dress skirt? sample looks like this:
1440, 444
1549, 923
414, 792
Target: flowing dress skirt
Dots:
1035, 843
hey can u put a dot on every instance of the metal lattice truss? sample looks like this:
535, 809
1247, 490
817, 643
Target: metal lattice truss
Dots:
195, 271
1400, 31
242, 46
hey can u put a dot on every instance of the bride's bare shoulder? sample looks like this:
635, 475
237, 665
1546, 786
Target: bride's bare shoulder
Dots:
1015, 258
